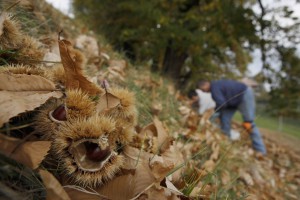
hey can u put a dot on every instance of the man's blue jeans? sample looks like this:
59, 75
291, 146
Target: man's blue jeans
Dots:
247, 109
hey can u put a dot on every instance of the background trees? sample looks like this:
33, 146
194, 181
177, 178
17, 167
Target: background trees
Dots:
192, 39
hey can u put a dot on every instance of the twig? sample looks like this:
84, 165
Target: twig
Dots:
13, 5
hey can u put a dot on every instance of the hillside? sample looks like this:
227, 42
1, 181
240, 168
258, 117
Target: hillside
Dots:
79, 121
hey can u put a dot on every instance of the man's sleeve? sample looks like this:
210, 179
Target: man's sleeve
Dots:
218, 96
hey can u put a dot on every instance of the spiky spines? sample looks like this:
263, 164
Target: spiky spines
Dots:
10, 35
30, 50
124, 114
56, 74
23, 69
79, 104
24, 49
44, 125
87, 151
76, 105
126, 111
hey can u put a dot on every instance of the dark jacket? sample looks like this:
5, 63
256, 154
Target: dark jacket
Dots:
227, 93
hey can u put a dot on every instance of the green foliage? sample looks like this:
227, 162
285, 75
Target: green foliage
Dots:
210, 34
285, 97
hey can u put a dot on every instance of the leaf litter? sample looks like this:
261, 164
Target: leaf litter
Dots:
192, 161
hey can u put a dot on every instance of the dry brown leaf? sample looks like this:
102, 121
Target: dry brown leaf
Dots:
30, 154
107, 101
160, 168
72, 61
158, 192
77, 193
25, 82
209, 165
121, 64
246, 177
215, 150
172, 187
53, 187
14, 103
174, 155
132, 157
225, 177
121, 188
88, 44
8, 144
161, 140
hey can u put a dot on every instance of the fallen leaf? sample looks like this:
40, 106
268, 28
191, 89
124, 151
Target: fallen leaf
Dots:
88, 44
121, 64
157, 192
107, 101
209, 165
174, 155
164, 140
14, 103
78, 193
30, 153
25, 82
160, 168
72, 61
215, 150
170, 186
104, 55
246, 177
8, 144
53, 187
124, 187
158, 135
225, 177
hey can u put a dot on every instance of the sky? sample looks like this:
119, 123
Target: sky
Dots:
255, 66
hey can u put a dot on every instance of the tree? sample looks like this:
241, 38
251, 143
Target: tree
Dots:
210, 36
281, 64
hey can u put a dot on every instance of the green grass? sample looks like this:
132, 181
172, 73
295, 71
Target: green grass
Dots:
272, 123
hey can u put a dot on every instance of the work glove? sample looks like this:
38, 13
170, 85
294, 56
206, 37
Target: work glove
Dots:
247, 126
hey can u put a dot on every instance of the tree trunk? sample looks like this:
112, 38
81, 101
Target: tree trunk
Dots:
173, 62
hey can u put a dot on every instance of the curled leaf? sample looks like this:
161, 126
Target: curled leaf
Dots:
107, 101
72, 61
14, 103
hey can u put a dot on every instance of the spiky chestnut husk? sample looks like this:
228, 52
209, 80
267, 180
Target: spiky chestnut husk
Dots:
125, 115
80, 168
28, 50
126, 111
56, 74
23, 69
44, 125
77, 104
10, 35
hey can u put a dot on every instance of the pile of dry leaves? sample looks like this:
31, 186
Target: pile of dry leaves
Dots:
80, 134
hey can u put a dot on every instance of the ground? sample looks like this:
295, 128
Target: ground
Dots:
282, 139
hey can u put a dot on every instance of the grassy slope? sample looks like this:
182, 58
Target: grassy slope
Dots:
271, 123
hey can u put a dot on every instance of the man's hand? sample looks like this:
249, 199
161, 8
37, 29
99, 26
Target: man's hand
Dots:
247, 126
